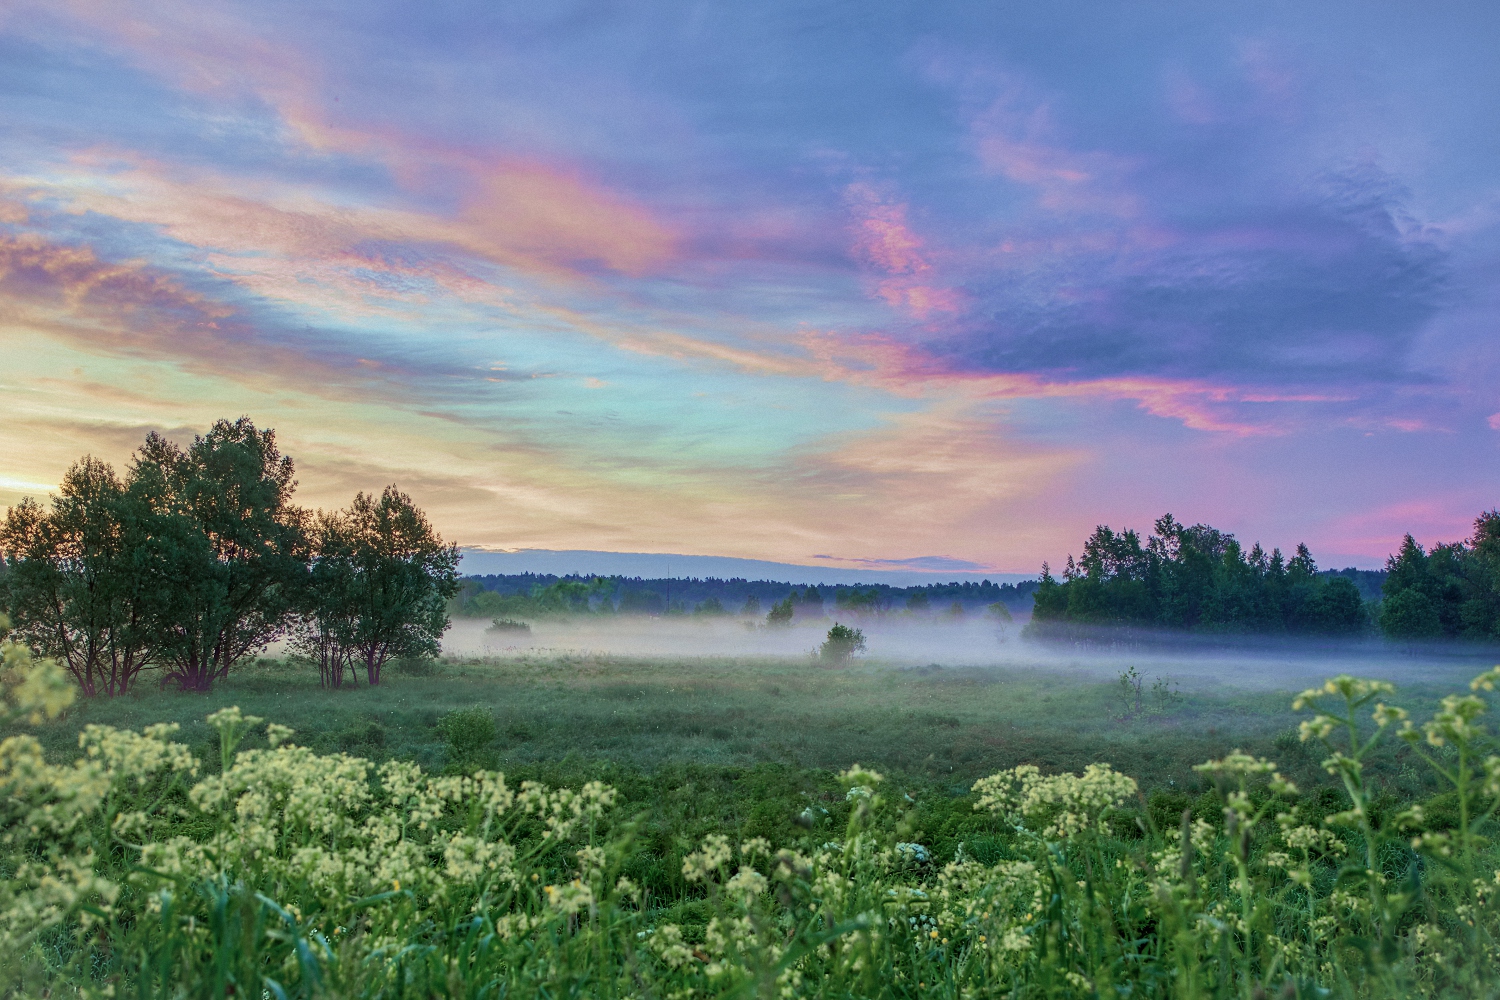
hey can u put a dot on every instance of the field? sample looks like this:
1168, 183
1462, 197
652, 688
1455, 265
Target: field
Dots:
752, 747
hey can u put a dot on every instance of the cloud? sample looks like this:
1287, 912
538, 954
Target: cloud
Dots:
883, 240
132, 309
1331, 289
935, 563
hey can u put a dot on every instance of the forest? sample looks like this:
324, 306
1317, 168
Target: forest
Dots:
532, 594
1201, 579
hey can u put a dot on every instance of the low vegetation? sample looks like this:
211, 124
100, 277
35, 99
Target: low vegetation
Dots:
255, 863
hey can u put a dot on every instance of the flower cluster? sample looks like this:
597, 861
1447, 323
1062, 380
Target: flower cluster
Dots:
1056, 806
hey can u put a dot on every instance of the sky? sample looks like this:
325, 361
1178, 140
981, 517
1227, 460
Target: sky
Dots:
928, 287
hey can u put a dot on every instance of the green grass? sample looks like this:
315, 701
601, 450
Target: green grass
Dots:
569, 716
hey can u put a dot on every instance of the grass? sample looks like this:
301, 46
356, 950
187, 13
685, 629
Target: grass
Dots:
947, 726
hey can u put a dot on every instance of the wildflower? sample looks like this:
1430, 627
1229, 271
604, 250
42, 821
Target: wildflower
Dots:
915, 853
570, 899
709, 858
1238, 764
754, 846
1486, 681
747, 883
857, 776
1062, 805
626, 888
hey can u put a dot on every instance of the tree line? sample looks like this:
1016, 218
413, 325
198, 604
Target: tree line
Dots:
1197, 578
525, 595
196, 558
1452, 591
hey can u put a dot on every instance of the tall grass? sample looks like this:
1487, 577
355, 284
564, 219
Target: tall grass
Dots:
143, 869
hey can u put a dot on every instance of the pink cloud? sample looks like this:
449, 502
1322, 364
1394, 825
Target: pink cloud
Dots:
906, 370
883, 239
1019, 142
1494, 421
1377, 533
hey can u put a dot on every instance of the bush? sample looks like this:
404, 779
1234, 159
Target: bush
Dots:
467, 730
509, 625
842, 643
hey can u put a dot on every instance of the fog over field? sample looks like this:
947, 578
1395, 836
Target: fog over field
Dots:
978, 642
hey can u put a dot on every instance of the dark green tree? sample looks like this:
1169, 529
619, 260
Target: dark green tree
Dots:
1410, 614
403, 576
325, 626
1459, 583
781, 612
1335, 609
223, 549
71, 583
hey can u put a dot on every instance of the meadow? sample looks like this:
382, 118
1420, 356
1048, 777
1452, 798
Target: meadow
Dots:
697, 826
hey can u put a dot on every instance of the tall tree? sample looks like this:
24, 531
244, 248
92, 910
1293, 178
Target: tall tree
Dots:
224, 550
403, 576
72, 584
324, 624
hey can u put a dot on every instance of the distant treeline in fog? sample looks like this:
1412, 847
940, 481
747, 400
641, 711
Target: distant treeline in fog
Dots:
523, 595
1202, 579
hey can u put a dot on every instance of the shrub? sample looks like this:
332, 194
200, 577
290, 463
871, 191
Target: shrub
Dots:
467, 730
842, 643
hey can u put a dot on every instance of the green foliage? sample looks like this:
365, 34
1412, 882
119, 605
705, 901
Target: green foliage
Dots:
1451, 592
222, 550
781, 612
510, 625
72, 582
468, 729
562, 598
1196, 578
856, 600
198, 559
1410, 614
278, 870
841, 643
